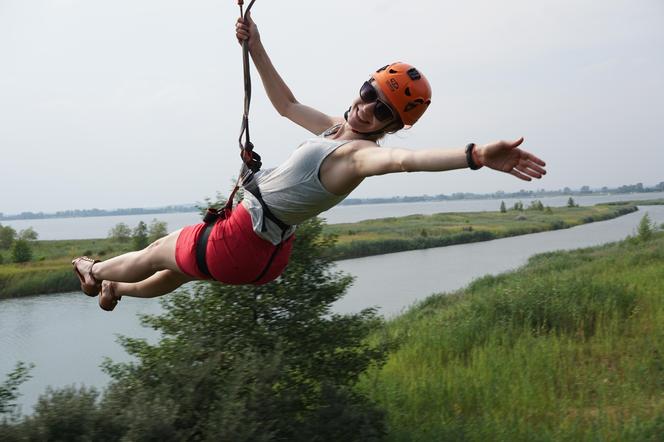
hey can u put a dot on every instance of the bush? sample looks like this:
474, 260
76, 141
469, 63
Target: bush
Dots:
140, 236
646, 229
9, 389
121, 232
28, 234
21, 251
7, 237
68, 414
157, 229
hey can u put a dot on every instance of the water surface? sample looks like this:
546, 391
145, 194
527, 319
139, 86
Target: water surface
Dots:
67, 335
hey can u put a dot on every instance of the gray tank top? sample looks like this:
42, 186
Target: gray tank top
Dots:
293, 191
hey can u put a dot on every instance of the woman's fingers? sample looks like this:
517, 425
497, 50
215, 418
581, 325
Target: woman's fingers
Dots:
536, 167
530, 165
519, 175
533, 158
527, 171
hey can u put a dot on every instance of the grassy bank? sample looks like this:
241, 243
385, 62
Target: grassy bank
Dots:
568, 348
50, 272
387, 235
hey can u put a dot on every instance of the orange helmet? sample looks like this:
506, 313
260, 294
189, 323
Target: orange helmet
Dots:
407, 90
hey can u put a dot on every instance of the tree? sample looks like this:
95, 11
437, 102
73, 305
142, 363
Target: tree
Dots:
140, 236
28, 234
7, 237
518, 206
121, 232
21, 251
571, 203
156, 230
263, 362
9, 389
645, 229
536, 205
503, 209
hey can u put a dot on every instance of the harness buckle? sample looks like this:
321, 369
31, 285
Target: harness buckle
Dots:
212, 215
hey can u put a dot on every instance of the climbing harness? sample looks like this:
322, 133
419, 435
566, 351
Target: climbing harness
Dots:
251, 164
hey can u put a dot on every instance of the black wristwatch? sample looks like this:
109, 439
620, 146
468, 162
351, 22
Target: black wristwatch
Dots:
469, 157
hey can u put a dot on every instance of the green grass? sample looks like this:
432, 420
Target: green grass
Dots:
568, 348
50, 271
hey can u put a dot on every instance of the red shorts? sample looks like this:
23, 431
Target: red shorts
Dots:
235, 254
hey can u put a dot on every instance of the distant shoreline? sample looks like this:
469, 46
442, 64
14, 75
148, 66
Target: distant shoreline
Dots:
192, 208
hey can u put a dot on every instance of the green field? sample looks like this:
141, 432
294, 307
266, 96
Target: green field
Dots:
50, 271
568, 348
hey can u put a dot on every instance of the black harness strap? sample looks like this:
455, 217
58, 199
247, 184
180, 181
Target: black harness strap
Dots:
253, 188
201, 249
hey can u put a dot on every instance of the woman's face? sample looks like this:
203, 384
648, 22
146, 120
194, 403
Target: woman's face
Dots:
370, 110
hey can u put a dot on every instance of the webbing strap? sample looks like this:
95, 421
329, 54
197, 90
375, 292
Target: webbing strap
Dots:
201, 249
251, 159
252, 187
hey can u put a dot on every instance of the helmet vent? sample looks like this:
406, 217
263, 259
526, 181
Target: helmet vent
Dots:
407, 91
392, 71
413, 74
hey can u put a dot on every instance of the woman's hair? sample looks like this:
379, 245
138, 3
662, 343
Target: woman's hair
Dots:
390, 129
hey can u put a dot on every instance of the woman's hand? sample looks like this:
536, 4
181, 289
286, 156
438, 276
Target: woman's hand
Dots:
246, 29
506, 157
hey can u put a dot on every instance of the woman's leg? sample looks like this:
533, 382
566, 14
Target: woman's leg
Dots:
140, 265
162, 282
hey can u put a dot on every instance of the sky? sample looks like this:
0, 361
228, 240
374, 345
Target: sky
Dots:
138, 103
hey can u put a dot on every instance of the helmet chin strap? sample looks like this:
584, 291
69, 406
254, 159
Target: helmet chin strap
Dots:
376, 132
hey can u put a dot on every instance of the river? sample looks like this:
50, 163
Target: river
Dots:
98, 227
67, 335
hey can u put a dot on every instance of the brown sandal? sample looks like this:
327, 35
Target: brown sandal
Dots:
108, 299
83, 269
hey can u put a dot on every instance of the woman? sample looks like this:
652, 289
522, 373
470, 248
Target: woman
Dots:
252, 245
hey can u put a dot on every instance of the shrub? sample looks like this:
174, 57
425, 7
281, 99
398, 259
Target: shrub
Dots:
121, 232
645, 229
140, 236
157, 229
7, 237
28, 234
21, 251
9, 389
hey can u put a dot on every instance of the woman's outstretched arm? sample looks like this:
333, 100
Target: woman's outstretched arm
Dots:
277, 90
503, 156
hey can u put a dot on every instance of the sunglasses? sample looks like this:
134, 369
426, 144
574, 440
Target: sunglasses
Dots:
382, 111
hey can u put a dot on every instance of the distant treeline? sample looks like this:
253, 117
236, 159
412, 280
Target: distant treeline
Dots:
186, 208
584, 190
100, 212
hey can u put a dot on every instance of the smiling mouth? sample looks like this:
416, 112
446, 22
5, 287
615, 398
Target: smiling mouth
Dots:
357, 114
